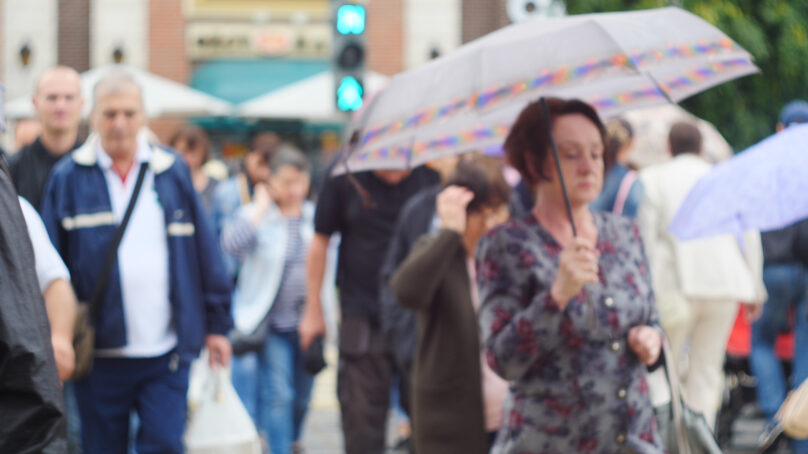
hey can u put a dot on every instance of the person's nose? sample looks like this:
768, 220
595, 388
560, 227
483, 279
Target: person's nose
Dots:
119, 122
587, 164
60, 104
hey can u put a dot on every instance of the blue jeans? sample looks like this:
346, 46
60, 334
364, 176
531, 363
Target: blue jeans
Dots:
275, 389
787, 285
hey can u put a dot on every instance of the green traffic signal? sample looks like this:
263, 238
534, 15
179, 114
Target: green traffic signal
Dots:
351, 19
349, 94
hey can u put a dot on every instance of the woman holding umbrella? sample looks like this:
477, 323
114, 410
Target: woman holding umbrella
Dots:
568, 315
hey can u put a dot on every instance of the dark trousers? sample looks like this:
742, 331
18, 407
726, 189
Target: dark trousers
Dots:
155, 388
364, 381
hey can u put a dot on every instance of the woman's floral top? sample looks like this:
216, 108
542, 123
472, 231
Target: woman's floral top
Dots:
575, 385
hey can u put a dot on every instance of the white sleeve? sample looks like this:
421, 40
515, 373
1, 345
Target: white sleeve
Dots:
49, 265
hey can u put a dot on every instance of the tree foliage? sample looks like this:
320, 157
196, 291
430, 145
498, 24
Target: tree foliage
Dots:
775, 32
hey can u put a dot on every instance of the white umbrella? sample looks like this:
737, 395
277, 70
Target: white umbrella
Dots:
161, 97
311, 98
652, 125
468, 99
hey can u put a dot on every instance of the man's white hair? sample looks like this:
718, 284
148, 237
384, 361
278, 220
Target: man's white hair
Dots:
116, 82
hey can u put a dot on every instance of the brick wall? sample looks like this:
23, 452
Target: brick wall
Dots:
480, 17
167, 57
74, 34
166, 128
385, 36
167, 40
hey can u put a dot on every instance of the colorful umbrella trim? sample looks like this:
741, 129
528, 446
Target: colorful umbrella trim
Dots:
699, 74
600, 103
419, 148
567, 75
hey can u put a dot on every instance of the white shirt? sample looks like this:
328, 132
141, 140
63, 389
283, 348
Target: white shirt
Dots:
49, 265
142, 260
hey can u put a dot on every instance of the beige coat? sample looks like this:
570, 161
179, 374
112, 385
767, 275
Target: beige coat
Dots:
715, 268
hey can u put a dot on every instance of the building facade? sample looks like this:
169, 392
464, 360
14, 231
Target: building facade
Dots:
235, 49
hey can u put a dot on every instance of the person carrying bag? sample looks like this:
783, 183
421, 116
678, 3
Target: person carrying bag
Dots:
83, 331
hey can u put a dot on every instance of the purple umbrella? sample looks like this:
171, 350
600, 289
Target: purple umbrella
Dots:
762, 188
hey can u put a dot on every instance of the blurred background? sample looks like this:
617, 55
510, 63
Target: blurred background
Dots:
263, 55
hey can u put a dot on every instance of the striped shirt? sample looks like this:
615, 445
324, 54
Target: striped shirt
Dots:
288, 308
241, 239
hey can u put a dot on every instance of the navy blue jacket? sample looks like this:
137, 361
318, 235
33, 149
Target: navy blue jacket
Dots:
78, 214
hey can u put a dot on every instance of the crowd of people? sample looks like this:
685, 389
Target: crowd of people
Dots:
518, 303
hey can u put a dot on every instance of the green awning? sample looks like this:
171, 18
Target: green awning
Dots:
239, 80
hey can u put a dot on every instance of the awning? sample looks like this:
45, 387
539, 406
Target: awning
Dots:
310, 99
239, 80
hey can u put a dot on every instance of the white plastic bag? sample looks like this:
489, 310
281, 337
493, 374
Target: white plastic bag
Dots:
218, 423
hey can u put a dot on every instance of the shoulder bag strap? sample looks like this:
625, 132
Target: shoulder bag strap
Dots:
112, 253
622, 194
680, 431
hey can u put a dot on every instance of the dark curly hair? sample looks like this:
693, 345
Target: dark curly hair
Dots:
482, 175
529, 136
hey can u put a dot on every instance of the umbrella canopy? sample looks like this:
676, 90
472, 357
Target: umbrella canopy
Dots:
651, 127
311, 98
468, 99
161, 97
763, 188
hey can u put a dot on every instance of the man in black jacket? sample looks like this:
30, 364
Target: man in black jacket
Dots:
31, 407
58, 104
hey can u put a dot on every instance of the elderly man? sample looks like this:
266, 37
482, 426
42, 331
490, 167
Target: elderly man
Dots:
167, 294
58, 104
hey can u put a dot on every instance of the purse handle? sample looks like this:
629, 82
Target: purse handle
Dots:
112, 253
676, 397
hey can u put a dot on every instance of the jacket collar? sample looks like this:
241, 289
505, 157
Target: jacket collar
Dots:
161, 160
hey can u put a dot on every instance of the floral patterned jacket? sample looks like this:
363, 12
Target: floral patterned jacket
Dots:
575, 385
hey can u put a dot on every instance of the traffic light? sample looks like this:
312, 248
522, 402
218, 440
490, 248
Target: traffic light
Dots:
349, 19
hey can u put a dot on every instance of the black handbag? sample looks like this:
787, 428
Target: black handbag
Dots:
83, 330
243, 343
682, 429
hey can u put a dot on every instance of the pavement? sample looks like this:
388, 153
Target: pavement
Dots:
322, 433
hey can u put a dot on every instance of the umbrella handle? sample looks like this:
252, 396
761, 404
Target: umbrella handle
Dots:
549, 126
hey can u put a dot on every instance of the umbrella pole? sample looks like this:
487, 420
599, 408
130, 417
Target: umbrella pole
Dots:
549, 126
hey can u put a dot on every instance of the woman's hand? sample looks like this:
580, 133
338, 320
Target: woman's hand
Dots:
451, 207
578, 266
262, 201
646, 342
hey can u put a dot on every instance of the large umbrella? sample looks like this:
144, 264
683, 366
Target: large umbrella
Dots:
161, 96
468, 99
763, 188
